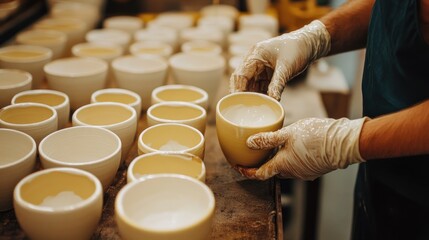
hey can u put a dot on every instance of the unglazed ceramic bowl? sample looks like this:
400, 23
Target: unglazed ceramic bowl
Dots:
181, 93
214, 35
259, 21
35, 119
174, 20
59, 203
80, 10
165, 206
158, 34
57, 100
239, 116
202, 71
152, 48
224, 23
118, 95
104, 51
171, 137
114, 36
128, 24
178, 112
162, 162
18, 159
116, 117
26, 58
12, 82
54, 40
220, 10
89, 148
201, 47
140, 75
77, 77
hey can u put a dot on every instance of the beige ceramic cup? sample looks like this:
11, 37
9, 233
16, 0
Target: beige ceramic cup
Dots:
162, 162
128, 24
35, 119
26, 58
77, 77
156, 48
171, 137
80, 10
165, 206
119, 95
116, 117
57, 100
89, 148
162, 34
178, 112
181, 93
12, 82
214, 35
113, 36
74, 28
59, 203
202, 71
140, 75
240, 115
18, 159
201, 47
54, 40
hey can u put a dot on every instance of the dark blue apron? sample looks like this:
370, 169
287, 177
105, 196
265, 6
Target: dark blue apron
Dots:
392, 195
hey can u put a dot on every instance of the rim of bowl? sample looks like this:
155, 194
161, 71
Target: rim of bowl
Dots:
141, 143
68, 164
29, 125
46, 53
25, 37
88, 45
167, 49
188, 46
119, 199
49, 68
100, 35
178, 58
28, 80
280, 118
126, 122
173, 104
43, 91
161, 65
204, 98
170, 153
81, 204
97, 93
31, 152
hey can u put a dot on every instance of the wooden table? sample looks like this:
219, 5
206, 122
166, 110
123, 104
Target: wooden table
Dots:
245, 209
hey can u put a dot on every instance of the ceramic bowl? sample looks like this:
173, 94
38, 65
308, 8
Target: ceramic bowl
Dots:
26, 58
89, 148
119, 118
35, 119
18, 159
239, 49
177, 112
214, 35
171, 137
105, 51
74, 28
113, 36
259, 21
158, 34
163, 162
140, 75
201, 47
128, 24
174, 20
59, 203
80, 10
248, 37
152, 48
181, 93
202, 71
220, 10
54, 40
57, 100
240, 115
12, 82
224, 23
165, 206
118, 95
77, 77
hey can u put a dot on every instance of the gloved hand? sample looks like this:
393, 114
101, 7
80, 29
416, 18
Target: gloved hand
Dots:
309, 148
271, 63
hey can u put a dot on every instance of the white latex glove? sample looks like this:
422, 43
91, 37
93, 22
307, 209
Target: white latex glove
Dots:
271, 63
309, 148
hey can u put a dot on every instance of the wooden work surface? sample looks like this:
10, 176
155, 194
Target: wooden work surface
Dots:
245, 209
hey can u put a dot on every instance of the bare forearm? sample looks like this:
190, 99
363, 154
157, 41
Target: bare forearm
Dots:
348, 25
404, 133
